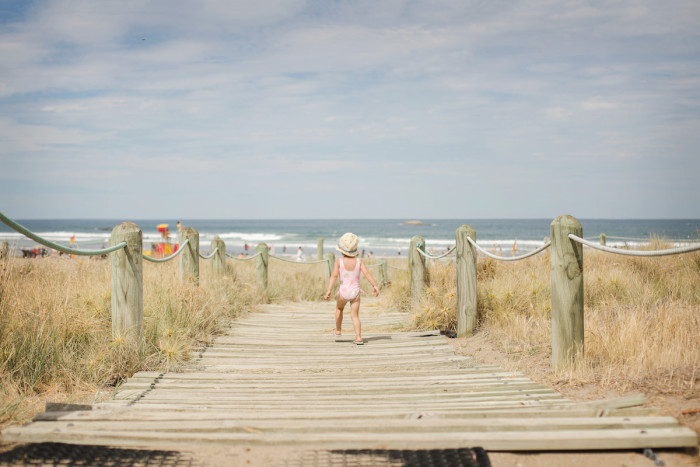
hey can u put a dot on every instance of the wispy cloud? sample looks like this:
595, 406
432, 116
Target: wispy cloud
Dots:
232, 95
598, 103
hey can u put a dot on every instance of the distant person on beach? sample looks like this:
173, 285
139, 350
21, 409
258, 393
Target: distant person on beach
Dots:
300, 254
348, 268
179, 226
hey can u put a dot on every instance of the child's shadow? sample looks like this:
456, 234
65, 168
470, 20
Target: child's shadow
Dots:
377, 338
366, 339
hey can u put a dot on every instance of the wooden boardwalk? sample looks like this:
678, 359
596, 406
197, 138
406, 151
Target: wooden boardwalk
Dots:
280, 378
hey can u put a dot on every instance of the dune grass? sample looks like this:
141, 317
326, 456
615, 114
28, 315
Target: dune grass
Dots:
642, 319
55, 324
641, 315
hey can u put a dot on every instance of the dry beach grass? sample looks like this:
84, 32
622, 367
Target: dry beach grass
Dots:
55, 324
642, 323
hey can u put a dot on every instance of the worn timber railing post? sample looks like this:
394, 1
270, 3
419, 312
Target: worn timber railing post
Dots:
416, 266
218, 261
4, 249
188, 267
319, 248
330, 262
261, 263
466, 281
383, 276
566, 261
603, 239
127, 281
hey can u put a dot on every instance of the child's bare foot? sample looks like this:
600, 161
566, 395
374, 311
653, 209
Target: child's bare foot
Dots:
336, 332
358, 341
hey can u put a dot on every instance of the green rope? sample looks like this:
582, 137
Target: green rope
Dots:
687, 240
163, 260
243, 259
509, 258
670, 251
298, 262
210, 255
71, 251
434, 257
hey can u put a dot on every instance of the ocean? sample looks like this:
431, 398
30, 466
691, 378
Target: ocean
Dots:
382, 237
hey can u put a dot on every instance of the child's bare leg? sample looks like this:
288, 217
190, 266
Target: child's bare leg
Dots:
355, 315
339, 307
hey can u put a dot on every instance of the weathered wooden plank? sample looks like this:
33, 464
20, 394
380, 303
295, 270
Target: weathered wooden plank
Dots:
562, 440
463, 417
312, 397
397, 425
383, 388
416, 374
413, 405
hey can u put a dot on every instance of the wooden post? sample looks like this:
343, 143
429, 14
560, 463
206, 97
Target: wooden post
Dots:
218, 261
319, 249
566, 261
416, 266
261, 263
330, 262
188, 268
603, 239
127, 281
4, 249
383, 276
466, 281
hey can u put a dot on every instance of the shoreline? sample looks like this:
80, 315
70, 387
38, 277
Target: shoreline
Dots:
18, 242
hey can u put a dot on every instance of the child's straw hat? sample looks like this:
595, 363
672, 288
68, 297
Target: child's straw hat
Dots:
347, 244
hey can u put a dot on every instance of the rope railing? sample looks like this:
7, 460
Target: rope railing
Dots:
211, 255
248, 258
509, 258
427, 255
127, 276
298, 262
673, 240
163, 260
396, 268
71, 251
619, 251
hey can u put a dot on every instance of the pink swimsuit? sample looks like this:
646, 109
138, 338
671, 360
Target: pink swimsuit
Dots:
349, 281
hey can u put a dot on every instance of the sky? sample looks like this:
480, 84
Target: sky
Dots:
349, 109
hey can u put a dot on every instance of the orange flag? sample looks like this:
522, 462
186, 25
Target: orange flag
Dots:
72, 240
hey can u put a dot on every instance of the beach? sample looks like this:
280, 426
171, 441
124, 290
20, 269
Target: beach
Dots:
380, 237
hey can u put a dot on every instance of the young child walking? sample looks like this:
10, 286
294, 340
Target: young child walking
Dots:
348, 267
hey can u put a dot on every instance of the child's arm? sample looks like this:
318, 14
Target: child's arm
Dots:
331, 281
369, 277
